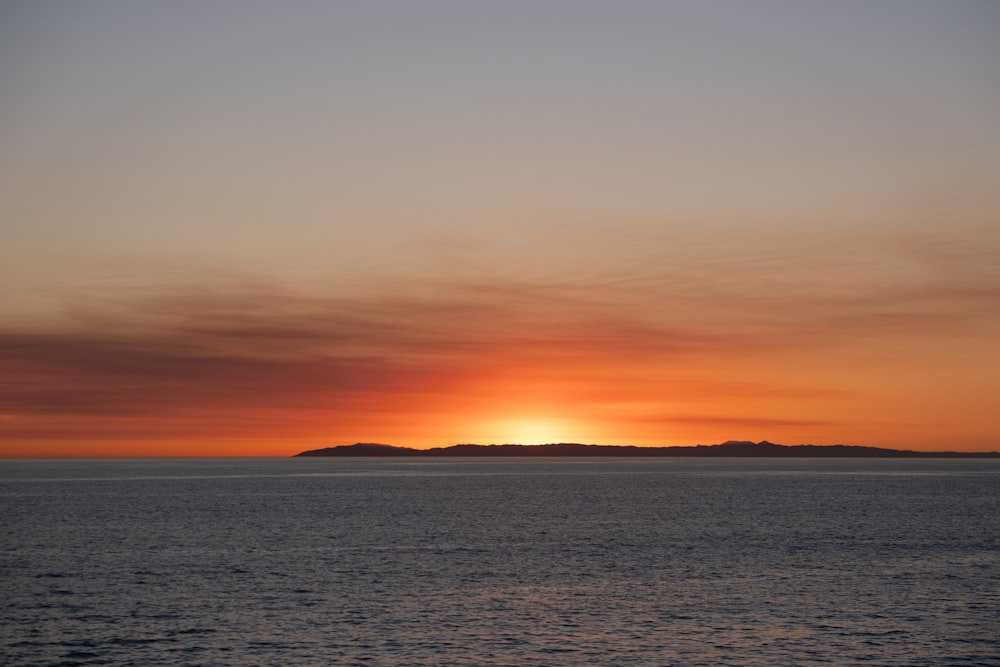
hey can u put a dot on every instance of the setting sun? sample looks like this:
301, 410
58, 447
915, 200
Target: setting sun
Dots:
535, 431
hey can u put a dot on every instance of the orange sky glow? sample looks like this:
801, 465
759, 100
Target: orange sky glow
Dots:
255, 370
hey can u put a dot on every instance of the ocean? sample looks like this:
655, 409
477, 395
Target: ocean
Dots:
396, 562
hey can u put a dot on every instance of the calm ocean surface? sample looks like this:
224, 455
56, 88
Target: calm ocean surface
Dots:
500, 562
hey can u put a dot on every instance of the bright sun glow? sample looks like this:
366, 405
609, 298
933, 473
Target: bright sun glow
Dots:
533, 431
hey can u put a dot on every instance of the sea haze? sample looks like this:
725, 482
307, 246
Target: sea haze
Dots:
500, 562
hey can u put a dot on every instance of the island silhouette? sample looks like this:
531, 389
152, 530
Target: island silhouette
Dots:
730, 448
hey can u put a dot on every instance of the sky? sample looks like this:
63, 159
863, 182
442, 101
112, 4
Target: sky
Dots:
254, 228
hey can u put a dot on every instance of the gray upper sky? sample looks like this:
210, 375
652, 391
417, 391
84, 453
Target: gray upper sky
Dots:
279, 138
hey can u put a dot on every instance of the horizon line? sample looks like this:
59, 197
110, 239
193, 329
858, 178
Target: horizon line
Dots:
298, 453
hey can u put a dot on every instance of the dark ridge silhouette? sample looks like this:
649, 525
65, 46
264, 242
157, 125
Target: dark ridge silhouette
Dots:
730, 448
364, 449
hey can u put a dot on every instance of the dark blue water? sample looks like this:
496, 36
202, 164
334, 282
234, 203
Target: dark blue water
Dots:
500, 562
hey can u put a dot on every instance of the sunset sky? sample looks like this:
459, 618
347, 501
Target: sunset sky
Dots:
254, 228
